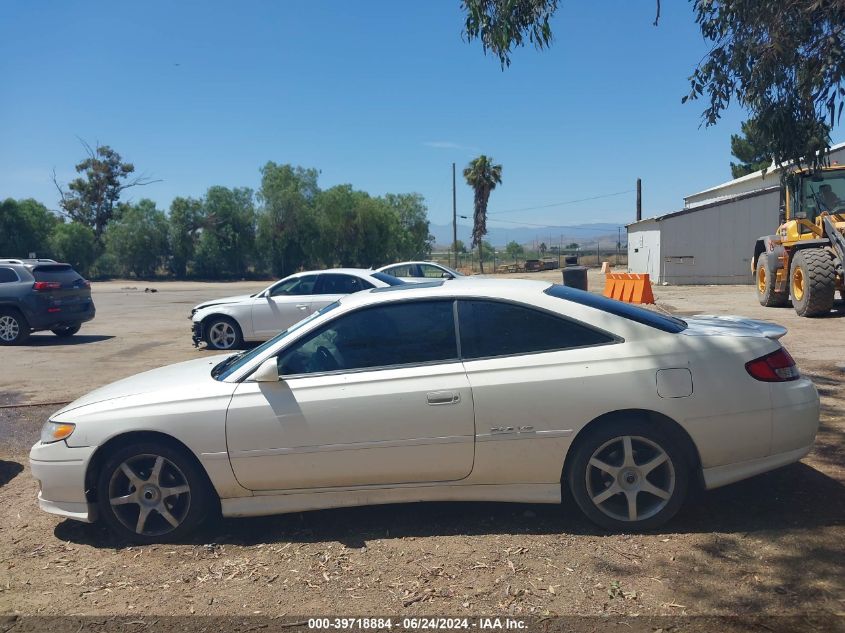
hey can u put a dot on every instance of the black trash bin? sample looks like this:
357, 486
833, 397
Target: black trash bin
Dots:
571, 260
575, 277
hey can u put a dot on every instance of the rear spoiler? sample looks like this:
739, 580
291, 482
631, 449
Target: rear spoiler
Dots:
751, 326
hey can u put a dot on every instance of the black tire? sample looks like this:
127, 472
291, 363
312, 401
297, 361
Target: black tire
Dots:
67, 331
14, 328
178, 471
606, 444
765, 284
215, 324
812, 282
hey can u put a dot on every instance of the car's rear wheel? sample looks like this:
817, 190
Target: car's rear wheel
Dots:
223, 333
628, 475
151, 492
66, 331
14, 329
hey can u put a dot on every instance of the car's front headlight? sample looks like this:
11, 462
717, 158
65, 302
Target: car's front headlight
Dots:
56, 431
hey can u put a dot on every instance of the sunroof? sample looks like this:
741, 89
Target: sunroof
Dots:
410, 286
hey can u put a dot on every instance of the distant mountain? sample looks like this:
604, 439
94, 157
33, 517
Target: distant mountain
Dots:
551, 235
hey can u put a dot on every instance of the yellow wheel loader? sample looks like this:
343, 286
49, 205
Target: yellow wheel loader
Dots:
804, 261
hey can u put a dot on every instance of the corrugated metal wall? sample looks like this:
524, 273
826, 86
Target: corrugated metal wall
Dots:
714, 245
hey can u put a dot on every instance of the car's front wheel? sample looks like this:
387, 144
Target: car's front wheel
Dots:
151, 492
14, 329
222, 333
66, 331
628, 475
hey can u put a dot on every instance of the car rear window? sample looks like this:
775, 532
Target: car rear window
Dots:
625, 310
63, 273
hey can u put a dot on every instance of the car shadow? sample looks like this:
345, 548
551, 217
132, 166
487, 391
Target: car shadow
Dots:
8, 471
797, 496
51, 340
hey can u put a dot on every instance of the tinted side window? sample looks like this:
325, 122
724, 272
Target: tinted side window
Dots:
298, 286
335, 284
400, 271
397, 334
432, 272
7, 275
492, 328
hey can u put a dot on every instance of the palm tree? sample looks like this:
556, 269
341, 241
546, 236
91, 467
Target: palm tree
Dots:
483, 176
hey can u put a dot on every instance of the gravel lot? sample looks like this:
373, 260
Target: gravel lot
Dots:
771, 545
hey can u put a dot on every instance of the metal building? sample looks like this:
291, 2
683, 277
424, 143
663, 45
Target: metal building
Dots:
711, 240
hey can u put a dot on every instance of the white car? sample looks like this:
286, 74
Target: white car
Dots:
416, 272
226, 323
490, 390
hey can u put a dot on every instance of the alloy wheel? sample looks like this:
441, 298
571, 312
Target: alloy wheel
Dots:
149, 495
222, 335
9, 328
630, 478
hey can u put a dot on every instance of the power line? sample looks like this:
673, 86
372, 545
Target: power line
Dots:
560, 204
547, 226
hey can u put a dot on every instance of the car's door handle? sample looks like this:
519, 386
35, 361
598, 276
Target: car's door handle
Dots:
442, 397
302, 306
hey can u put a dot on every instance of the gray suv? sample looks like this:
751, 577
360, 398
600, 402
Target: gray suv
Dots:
41, 294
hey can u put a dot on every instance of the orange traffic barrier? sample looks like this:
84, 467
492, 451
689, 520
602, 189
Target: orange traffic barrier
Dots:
628, 287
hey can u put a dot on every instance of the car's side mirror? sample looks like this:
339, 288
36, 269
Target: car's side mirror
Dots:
447, 276
268, 372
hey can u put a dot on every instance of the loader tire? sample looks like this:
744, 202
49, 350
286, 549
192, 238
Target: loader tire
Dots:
812, 282
765, 282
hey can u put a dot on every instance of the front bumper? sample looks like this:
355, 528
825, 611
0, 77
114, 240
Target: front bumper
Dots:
197, 333
60, 471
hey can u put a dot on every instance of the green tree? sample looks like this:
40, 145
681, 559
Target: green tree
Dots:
183, 231
25, 227
460, 247
227, 244
92, 198
514, 250
288, 233
136, 242
483, 176
543, 248
415, 241
749, 149
782, 60
75, 244
357, 229
573, 246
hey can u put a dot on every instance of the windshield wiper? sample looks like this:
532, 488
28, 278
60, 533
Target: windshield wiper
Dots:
219, 368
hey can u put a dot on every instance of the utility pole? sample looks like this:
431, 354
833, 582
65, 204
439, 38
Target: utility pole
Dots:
454, 217
618, 242
639, 199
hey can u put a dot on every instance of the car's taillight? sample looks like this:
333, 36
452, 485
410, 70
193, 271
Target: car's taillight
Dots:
775, 367
41, 286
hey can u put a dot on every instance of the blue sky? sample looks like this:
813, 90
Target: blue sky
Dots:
384, 95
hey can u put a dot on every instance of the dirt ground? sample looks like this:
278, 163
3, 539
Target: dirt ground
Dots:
771, 545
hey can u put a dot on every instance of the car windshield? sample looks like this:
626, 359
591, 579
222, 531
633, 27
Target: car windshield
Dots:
626, 310
390, 280
233, 363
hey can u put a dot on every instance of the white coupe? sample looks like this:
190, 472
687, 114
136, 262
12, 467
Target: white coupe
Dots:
226, 323
489, 390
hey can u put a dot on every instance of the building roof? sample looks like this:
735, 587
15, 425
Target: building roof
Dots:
719, 190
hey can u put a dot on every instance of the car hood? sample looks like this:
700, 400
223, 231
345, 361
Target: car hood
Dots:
223, 301
728, 325
185, 377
